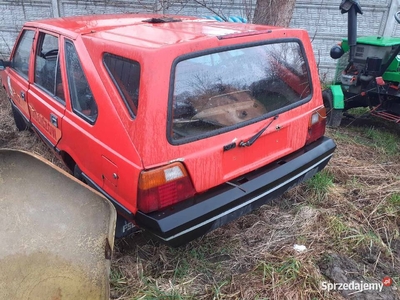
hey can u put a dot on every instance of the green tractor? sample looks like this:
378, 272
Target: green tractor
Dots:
367, 75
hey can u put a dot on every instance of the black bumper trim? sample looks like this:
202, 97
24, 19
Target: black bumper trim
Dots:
247, 202
203, 213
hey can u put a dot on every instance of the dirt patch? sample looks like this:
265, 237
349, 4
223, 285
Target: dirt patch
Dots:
342, 269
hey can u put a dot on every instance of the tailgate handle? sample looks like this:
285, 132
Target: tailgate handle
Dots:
54, 120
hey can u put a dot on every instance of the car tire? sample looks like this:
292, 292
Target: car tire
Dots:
78, 173
19, 120
333, 116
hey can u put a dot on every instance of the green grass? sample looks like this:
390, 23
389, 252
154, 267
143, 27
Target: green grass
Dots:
357, 237
341, 135
391, 207
396, 281
359, 111
155, 294
182, 269
319, 185
385, 140
381, 139
117, 280
337, 227
152, 289
394, 199
346, 237
280, 276
217, 290
282, 273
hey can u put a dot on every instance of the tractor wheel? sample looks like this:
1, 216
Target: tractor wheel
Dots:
333, 116
19, 120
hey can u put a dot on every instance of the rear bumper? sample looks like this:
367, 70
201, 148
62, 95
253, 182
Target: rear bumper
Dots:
206, 212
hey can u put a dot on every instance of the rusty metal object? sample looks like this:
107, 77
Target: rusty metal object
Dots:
56, 234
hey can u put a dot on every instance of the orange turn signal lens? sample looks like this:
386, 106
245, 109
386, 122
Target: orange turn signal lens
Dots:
160, 176
163, 187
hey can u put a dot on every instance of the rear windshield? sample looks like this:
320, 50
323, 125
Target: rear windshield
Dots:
221, 91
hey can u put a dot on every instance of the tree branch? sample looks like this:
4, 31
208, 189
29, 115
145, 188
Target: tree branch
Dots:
212, 10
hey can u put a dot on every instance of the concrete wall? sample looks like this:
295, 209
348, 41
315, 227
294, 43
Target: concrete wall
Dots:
322, 18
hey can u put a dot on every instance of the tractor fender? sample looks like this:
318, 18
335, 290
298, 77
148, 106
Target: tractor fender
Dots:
338, 97
334, 108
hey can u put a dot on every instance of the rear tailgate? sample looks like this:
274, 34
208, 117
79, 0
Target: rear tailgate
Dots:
238, 109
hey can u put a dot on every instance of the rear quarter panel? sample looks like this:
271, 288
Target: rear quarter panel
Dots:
105, 147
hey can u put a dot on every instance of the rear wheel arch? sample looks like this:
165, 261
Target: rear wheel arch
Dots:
68, 160
19, 120
71, 165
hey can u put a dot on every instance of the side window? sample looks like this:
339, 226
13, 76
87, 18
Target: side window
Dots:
125, 74
82, 100
20, 61
47, 66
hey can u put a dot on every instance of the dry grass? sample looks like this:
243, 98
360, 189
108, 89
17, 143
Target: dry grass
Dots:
352, 208
347, 212
26, 140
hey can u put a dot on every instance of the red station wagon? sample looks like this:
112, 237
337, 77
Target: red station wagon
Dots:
185, 124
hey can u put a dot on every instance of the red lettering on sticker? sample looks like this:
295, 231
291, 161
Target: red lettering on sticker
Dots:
44, 123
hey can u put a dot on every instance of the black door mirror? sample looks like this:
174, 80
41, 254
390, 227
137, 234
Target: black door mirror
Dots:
4, 64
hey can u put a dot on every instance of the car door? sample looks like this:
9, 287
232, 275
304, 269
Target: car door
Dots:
18, 73
46, 93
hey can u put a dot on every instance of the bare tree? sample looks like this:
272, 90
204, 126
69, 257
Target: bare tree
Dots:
274, 12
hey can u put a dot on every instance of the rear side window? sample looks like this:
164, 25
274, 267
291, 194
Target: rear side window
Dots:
82, 100
228, 89
125, 74
20, 61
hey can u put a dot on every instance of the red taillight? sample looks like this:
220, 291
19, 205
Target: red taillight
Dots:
163, 187
317, 124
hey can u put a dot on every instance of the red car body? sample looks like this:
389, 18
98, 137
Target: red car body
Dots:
174, 162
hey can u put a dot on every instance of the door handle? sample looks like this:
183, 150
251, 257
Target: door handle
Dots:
22, 95
54, 120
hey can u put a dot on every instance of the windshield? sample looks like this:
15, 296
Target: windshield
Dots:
228, 88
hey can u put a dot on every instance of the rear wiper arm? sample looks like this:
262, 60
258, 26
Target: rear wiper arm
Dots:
257, 135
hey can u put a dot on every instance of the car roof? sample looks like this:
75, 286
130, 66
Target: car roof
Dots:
146, 30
